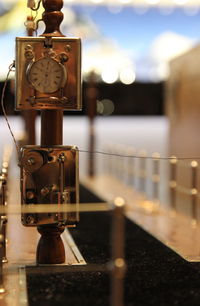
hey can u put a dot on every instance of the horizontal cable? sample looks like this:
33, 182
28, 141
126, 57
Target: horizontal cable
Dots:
138, 156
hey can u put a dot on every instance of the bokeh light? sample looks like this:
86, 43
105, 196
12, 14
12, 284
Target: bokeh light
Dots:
127, 76
105, 107
96, 1
152, 2
180, 2
109, 75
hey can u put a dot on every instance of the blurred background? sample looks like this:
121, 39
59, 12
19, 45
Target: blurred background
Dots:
128, 49
127, 45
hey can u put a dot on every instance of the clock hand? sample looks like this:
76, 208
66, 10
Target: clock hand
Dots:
47, 68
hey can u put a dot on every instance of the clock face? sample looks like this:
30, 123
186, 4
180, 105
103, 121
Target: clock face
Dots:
46, 75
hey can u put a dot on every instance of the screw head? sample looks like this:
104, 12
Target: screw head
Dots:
30, 195
44, 191
31, 161
64, 57
30, 220
67, 48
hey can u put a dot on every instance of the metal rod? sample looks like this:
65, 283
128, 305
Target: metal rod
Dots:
51, 135
172, 182
194, 192
91, 159
3, 232
91, 94
2, 239
142, 170
131, 167
51, 127
3, 218
118, 265
156, 175
29, 116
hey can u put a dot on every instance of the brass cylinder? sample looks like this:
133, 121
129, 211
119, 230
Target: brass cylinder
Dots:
51, 128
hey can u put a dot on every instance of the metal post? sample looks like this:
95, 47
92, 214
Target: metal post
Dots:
121, 168
29, 116
3, 218
156, 175
91, 99
118, 265
2, 289
172, 181
194, 192
51, 135
131, 166
142, 170
3, 222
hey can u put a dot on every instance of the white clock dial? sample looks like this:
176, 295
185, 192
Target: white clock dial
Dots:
46, 75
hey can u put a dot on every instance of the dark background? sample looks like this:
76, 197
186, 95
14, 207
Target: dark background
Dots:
135, 99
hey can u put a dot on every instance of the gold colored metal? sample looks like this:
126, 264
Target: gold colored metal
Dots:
3, 217
3, 200
142, 170
194, 191
191, 192
172, 182
15, 209
118, 264
48, 73
156, 175
2, 239
49, 176
130, 166
119, 202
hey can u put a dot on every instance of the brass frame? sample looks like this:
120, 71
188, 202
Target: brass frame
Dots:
69, 97
38, 219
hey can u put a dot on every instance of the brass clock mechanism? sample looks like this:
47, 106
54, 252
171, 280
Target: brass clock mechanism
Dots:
48, 73
50, 175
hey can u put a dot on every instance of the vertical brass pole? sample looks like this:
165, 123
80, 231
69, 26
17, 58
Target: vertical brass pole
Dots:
30, 115
91, 95
106, 167
131, 166
172, 182
51, 127
3, 232
194, 192
2, 288
3, 218
118, 265
114, 161
121, 163
3, 201
156, 175
111, 161
142, 170
50, 248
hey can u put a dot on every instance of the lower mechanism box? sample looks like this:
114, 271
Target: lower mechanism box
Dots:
50, 176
